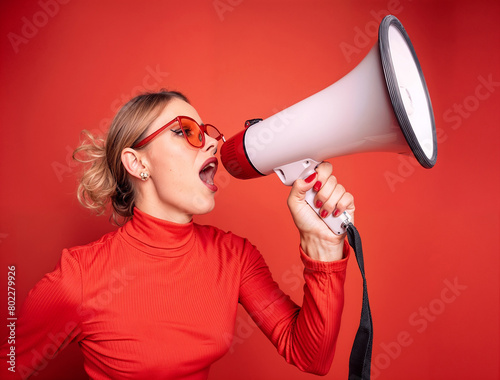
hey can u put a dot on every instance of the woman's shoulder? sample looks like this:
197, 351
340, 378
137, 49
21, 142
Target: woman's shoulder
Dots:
86, 251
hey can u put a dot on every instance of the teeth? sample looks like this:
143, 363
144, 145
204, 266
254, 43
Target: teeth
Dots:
208, 172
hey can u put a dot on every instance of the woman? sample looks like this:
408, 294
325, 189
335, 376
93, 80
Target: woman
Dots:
157, 299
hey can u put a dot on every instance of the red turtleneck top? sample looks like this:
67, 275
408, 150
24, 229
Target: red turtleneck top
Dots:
158, 300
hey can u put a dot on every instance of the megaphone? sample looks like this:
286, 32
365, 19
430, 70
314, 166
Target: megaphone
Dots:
382, 105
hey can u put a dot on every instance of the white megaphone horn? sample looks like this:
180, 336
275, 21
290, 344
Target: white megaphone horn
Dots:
381, 106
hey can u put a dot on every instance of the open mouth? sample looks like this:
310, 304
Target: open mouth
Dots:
208, 171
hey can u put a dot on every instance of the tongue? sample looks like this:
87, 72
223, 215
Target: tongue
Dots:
207, 176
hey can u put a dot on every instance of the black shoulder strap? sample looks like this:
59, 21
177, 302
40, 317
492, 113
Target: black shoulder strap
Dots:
361, 353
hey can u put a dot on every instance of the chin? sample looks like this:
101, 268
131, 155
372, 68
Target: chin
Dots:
203, 205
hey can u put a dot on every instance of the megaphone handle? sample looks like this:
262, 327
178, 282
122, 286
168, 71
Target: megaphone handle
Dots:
336, 224
288, 173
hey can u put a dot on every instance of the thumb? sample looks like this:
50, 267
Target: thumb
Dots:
301, 187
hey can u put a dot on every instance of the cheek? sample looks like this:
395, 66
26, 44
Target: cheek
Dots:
173, 177
173, 170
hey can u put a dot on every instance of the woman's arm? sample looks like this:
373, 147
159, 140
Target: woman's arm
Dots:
305, 336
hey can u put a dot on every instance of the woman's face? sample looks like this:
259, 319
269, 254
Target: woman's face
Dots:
181, 176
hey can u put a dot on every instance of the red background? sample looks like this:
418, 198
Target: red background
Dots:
422, 229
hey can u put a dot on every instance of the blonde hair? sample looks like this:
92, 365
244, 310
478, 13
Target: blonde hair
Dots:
105, 180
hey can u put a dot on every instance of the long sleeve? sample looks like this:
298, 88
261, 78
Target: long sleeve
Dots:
157, 299
48, 320
305, 336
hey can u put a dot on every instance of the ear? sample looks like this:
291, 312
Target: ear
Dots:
132, 161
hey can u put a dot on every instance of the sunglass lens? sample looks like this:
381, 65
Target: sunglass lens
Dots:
212, 131
193, 132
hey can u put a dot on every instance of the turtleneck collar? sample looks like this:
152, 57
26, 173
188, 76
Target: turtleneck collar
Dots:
157, 236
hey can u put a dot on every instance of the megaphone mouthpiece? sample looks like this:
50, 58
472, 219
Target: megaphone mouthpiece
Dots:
235, 160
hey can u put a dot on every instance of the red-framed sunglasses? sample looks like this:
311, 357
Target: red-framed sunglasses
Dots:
192, 131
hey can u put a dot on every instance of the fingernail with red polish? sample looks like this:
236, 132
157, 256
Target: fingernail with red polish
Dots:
336, 213
319, 204
310, 178
324, 213
317, 186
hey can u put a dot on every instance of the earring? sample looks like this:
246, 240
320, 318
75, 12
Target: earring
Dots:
144, 176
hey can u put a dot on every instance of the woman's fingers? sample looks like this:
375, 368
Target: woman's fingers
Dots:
331, 197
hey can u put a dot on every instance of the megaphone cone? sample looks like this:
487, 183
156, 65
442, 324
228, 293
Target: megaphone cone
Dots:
383, 105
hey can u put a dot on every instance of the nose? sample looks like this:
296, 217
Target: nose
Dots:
210, 144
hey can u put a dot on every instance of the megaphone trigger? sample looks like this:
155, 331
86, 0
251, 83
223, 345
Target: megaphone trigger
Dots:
288, 173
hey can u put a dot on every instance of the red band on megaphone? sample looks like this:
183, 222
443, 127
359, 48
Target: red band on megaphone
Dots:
235, 159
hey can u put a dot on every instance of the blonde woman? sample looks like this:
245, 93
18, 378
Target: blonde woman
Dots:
157, 298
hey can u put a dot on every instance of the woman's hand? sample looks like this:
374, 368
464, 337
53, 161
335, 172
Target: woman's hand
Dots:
316, 238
